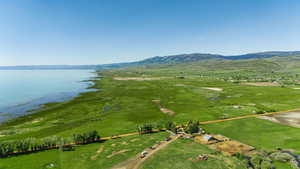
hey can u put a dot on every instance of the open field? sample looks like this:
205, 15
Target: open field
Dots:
184, 154
125, 104
259, 133
136, 162
83, 157
194, 91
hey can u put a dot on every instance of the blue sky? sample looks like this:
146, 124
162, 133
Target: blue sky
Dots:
34, 32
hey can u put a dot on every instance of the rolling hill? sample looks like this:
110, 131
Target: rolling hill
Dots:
157, 60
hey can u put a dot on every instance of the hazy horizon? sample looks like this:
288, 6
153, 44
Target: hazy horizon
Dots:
135, 60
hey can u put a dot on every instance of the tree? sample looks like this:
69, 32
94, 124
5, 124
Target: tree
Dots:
145, 128
192, 127
85, 138
170, 125
6, 149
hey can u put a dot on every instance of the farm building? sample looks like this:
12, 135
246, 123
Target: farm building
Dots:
206, 139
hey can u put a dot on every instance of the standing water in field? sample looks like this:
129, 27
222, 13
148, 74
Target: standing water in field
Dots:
24, 90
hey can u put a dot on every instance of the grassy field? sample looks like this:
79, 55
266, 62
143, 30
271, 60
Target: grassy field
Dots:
183, 154
118, 106
259, 133
85, 157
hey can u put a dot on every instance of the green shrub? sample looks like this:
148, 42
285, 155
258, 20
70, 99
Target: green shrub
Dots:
145, 128
85, 138
170, 125
192, 127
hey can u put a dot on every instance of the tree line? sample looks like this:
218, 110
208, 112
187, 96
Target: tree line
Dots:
190, 128
34, 145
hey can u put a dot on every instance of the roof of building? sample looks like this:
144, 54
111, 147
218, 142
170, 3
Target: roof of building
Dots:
207, 137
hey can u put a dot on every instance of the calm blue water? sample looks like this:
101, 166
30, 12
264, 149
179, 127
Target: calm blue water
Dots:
23, 90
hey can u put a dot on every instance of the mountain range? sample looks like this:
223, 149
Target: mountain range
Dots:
171, 59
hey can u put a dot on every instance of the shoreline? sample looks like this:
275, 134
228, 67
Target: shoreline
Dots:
14, 112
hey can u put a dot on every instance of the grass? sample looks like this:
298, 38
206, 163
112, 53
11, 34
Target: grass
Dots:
283, 165
117, 107
259, 133
81, 157
183, 153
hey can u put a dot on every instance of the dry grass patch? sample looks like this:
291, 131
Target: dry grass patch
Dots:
288, 118
232, 147
117, 153
167, 111
163, 109
224, 144
214, 89
37, 120
138, 78
261, 84
100, 150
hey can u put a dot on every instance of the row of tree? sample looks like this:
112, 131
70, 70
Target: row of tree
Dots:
86, 138
159, 126
191, 127
27, 145
33, 145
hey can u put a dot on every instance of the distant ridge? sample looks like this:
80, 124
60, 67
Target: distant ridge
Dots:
171, 59
263, 55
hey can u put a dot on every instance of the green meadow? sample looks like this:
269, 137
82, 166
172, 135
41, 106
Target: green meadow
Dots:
259, 133
86, 156
119, 106
183, 154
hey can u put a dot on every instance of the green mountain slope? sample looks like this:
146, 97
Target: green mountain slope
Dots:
172, 59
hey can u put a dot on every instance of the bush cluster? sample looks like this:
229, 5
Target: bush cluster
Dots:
86, 138
192, 127
145, 128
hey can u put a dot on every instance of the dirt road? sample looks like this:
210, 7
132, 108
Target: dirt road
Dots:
210, 122
136, 162
119, 136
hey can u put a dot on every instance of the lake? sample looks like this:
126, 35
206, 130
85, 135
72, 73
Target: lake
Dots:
23, 90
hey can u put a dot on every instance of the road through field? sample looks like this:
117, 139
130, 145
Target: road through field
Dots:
204, 122
211, 122
136, 162
247, 116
